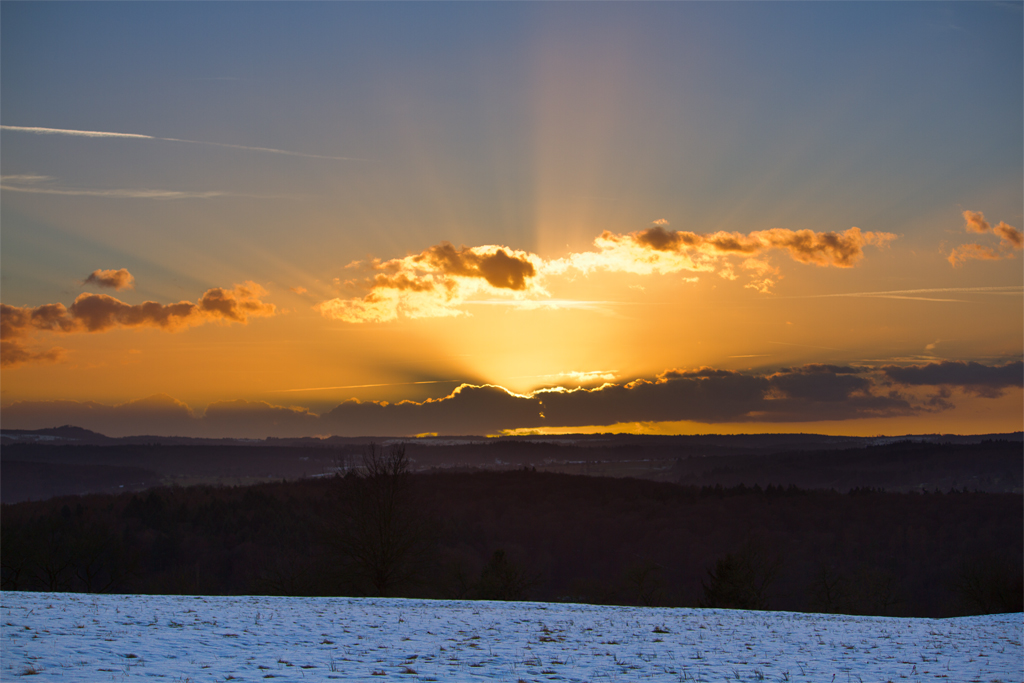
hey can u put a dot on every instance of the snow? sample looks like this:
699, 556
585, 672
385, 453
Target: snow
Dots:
67, 636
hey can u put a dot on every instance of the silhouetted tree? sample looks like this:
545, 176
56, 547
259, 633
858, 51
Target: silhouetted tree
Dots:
503, 579
990, 585
740, 580
645, 583
829, 591
380, 534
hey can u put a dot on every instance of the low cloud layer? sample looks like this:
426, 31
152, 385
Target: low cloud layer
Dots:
439, 280
989, 381
114, 279
1010, 240
102, 312
711, 396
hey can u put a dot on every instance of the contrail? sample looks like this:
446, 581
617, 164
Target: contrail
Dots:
77, 133
367, 386
116, 194
909, 293
104, 134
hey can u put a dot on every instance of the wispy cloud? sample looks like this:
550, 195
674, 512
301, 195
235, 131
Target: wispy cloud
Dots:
35, 130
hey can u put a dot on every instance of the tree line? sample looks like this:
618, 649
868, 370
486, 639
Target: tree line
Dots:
381, 530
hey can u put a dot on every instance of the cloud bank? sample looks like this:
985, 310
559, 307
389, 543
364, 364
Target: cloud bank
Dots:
101, 312
711, 396
439, 280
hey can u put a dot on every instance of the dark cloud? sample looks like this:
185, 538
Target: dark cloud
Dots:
158, 415
115, 279
467, 410
498, 268
982, 380
14, 353
257, 419
712, 396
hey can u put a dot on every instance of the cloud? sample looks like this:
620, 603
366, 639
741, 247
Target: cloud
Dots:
974, 221
989, 381
841, 250
808, 393
101, 312
114, 279
1010, 239
467, 410
660, 251
117, 194
14, 353
77, 133
257, 419
914, 294
439, 280
157, 415
102, 134
1010, 236
435, 282
25, 178
974, 252
709, 395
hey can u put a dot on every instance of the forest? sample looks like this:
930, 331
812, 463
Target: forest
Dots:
382, 529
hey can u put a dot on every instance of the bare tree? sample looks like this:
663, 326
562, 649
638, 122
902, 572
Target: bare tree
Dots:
380, 535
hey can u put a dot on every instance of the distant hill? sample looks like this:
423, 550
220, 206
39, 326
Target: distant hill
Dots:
40, 464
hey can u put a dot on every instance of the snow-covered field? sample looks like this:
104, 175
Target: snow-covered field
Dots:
62, 636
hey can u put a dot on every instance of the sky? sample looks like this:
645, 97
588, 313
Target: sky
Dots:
288, 219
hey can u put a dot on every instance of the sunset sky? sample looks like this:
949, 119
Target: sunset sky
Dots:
284, 219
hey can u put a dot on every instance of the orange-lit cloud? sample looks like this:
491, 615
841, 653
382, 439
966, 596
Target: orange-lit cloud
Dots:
1009, 236
1010, 239
437, 281
101, 312
660, 250
974, 252
114, 279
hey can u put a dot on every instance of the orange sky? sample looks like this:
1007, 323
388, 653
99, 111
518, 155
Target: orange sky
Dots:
580, 233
